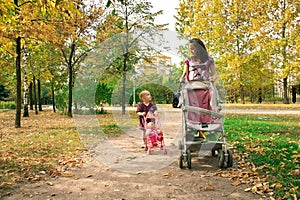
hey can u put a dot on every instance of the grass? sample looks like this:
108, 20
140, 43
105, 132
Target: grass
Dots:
250, 106
48, 143
272, 143
7, 105
277, 106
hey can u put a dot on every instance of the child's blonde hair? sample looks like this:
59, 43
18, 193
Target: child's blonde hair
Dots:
143, 93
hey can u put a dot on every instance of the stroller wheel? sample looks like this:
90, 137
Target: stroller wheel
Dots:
213, 153
221, 158
189, 159
180, 145
230, 160
181, 161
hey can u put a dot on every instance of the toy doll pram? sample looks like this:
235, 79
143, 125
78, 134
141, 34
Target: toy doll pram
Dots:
154, 134
200, 136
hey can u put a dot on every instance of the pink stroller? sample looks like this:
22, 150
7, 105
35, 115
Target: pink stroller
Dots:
154, 134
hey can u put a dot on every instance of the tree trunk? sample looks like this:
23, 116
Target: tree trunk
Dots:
30, 96
70, 68
285, 91
242, 94
285, 79
26, 113
70, 90
34, 93
125, 61
294, 95
39, 95
53, 98
123, 92
18, 84
273, 93
259, 95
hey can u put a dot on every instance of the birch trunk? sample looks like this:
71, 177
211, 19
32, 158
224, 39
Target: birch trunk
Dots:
26, 113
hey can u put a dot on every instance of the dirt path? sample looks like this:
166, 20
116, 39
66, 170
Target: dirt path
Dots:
95, 181
119, 169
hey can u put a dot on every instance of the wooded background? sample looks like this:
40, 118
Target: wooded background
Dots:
44, 43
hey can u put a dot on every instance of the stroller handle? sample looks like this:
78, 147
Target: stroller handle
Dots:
201, 110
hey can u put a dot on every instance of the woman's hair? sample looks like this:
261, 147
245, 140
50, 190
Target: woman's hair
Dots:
143, 93
201, 52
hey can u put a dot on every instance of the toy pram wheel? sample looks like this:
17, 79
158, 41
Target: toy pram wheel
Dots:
221, 158
165, 151
230, 160
189, 159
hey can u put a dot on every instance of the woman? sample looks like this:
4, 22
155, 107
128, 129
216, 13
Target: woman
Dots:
199, 70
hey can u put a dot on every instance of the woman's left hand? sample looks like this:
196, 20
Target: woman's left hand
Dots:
212, 78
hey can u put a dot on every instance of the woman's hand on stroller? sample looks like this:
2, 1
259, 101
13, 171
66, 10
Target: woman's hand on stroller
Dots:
141, 113
212, 78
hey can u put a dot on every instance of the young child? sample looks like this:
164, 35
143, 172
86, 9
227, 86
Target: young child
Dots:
146, 111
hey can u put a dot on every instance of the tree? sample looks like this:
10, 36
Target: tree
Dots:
223, 27
174, 77
3, 92
280, 28
24, 19
136, 22
103, 94
78, 39
245, 37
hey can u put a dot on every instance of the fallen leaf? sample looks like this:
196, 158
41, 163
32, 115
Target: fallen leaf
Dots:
68, 175
254, 189
130, 158
4, 184
50, 183
278, 185
167, 175
294, 196
295, 156
236, 183
207, 187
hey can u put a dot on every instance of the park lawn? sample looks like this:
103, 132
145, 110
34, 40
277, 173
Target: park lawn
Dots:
277, 106
48, 144
271, 145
